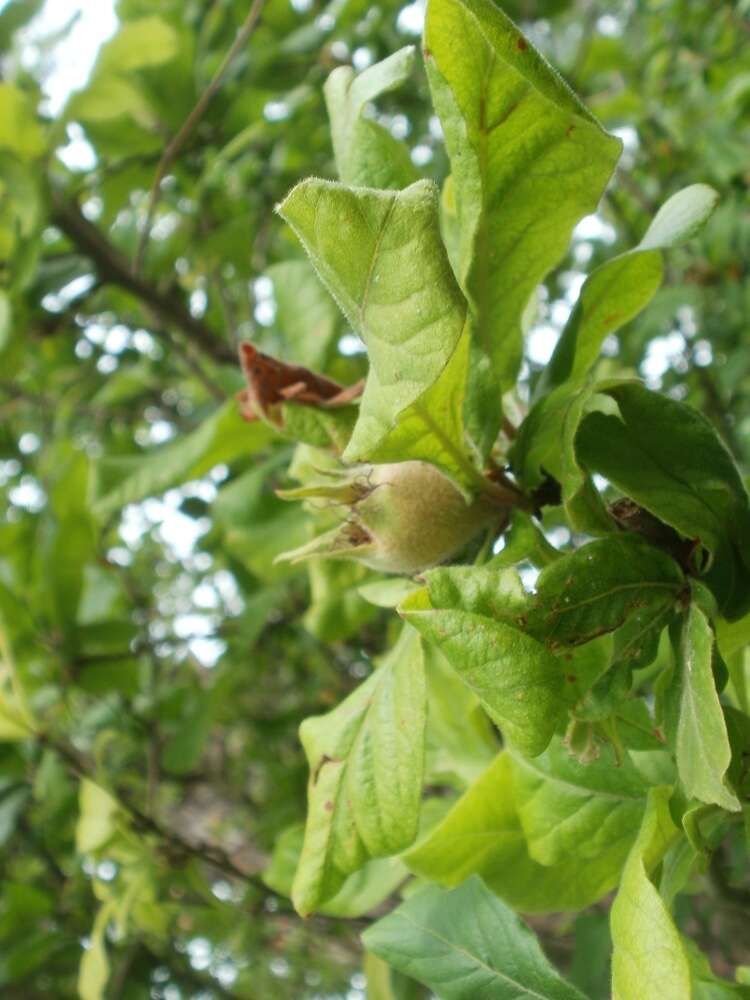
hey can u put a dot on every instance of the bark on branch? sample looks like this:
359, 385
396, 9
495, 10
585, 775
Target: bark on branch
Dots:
113, 268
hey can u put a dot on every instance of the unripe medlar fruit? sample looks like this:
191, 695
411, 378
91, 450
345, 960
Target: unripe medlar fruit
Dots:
402, 517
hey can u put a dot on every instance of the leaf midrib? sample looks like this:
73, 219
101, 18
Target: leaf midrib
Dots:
475, 960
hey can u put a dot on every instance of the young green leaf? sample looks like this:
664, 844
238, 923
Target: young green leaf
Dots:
572, 810
621, 287
695, 718
518, 683
528, 162
467, 945
648, 959
367, 155
432, 428
381, 256
366, 762
483, 834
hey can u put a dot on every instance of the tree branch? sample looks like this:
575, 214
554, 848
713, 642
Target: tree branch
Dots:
175, 146
176, 845
112, 268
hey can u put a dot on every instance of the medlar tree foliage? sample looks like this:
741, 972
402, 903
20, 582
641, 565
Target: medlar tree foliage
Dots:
287, 446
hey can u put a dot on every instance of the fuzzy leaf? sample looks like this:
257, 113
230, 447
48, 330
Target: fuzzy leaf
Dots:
366, 762
432, 428
381, 256
528, 162
467, 945
367, 155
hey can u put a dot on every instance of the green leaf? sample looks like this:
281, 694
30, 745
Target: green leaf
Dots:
621, 287
97, 817
113, 91
93, 971
483, 834
142, 42
524, 540
460, 739
367, 155
466, 945
19, 129
315, 426
366, 762
388, 593
222, 437
518, 682
12, 804
695, 718
528, 162
667, 457
16, 721
306, 314
648, 958
6, 319
546, 445
598, 587
337, 609
680, 217
432, 428
573, 810
360, 893
381, 256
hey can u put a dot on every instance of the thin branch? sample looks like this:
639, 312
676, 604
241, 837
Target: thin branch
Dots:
113, 268
175, 146
176, 845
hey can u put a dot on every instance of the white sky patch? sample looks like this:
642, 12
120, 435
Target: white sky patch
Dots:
351, 344
410, 20
662, 354
593, 227
74, 57
540, 343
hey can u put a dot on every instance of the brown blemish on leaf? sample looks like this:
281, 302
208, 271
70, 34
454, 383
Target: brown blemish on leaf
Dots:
521, 45
571, 678
271, 382
328, 805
